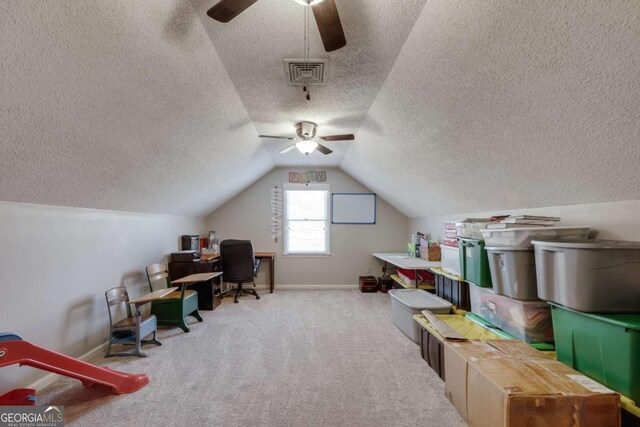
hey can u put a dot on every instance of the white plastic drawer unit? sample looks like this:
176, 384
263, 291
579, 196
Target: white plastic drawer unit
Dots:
407, 302
450, 259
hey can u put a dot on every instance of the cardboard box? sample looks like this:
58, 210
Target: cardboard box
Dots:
508, 383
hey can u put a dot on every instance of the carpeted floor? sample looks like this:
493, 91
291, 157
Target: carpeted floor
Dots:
292, 358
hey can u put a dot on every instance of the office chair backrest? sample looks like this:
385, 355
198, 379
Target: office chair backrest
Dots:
157, 272
116, 296
238, 261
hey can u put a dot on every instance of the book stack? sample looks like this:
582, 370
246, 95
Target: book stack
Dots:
522, 221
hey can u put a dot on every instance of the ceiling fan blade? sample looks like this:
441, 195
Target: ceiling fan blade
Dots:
289, 148
348, 137
226, 10
329, 25
324, 150
276, 137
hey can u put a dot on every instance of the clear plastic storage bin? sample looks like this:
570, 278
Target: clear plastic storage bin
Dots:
522, 236
471, 230
529, 321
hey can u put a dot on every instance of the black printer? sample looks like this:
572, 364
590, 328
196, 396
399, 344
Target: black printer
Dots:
185, 256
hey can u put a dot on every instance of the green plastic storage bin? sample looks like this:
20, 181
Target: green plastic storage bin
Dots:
605, 347
474, 263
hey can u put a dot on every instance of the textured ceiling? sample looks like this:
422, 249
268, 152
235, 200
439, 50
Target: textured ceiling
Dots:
499, 105
254, 44
121, 105
457, 106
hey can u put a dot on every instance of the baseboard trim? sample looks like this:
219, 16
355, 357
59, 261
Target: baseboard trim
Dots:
315, 287
50, 378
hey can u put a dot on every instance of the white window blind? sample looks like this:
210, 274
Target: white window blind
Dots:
306, 219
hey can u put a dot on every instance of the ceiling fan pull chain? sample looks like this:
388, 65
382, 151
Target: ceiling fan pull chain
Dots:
307, 85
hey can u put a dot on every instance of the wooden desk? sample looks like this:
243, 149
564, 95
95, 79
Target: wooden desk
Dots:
139, 302
269, 256
194, 278
203, 284
151, 296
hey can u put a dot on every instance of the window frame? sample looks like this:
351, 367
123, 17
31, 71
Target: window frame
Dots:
327, 220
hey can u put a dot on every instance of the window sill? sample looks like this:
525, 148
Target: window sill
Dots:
305, 255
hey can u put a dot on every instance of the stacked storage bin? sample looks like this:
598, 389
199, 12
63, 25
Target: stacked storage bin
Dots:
449, 284
449, 249
513, 304
474, 266
594, 291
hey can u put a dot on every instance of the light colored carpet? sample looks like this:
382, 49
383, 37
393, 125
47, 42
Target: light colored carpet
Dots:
292, 358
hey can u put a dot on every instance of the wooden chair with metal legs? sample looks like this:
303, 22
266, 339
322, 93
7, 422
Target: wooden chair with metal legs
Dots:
132, 329
239, 265
172, 309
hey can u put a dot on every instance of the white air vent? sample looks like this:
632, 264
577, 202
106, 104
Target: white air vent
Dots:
297, 72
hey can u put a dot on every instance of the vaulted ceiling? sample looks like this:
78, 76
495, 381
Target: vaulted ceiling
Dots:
457, 106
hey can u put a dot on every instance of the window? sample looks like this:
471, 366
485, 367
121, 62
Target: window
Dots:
306, 219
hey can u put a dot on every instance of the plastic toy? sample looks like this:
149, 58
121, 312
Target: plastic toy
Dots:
15, 350
19, 397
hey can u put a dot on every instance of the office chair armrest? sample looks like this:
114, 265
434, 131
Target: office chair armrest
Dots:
255, 267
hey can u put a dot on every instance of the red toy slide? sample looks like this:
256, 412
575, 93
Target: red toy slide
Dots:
14, 350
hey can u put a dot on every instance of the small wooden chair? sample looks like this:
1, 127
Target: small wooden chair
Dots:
130, 330
172, 309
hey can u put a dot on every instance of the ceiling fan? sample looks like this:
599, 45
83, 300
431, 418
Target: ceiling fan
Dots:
325, 12
307, 142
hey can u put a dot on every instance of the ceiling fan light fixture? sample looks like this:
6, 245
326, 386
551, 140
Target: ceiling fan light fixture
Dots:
306, 146
308, 2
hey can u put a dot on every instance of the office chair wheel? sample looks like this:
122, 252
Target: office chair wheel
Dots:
257, 296
236, 300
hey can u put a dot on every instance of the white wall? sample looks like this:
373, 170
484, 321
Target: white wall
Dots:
614, 220
56, 263
248, 216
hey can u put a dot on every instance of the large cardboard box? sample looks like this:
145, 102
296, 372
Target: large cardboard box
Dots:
508, 383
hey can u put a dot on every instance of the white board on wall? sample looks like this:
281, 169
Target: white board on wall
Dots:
353, 208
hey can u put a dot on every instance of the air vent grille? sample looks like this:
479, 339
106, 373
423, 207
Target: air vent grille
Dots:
297, 72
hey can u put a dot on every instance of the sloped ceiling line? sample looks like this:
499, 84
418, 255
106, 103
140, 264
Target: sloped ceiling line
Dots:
493, 106
119, 105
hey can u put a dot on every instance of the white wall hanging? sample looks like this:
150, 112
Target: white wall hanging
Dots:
276, 213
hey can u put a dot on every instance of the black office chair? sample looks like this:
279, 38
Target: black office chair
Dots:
239, 265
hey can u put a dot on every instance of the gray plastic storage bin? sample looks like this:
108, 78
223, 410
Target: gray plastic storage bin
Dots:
407, 302
594, 277
513, 272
